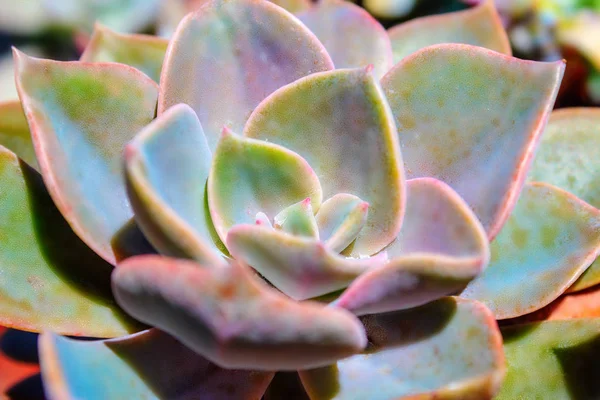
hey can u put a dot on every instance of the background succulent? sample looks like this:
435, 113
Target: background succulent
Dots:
363, 195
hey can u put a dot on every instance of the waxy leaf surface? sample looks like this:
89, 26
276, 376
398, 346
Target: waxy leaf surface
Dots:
389, 8
340, 220
300, 267
357, 151
448, 349
552, 360
49, 279
143, 52
549, 240
225, 58
471, 118
568, 157
589, 278
249, 176
478, 26
127, 368
298, 219
441, 247
230, 317
167, 167
14, 132
352, 37
81, 115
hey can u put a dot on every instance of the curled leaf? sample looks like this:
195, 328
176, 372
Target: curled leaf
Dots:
230, 317
472, 118
298, 219
81, 115
442, 246
357, 151
340, 220
250, 176
167, 167
300, 267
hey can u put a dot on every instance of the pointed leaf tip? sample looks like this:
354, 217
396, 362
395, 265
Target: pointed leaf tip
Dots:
354, 126
81, 116
490, 110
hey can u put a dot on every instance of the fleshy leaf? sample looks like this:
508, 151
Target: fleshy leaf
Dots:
471, 118
567, 158
293, 6
127, 368
442, 246
567, 155
340, 220
300, 267
298, 219
263, 220
143, 52
230, 317
389, 8
350, 34
589, 278
80, 116
248, 176
552, 360
14, 132
477, 26
549, 240
225, 58
357, 149
167, 166
438, 221
49, 279
448, 349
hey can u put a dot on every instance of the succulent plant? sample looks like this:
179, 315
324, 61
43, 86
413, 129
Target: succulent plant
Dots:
259, 210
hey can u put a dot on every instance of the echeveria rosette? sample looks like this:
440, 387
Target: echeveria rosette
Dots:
312, 219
